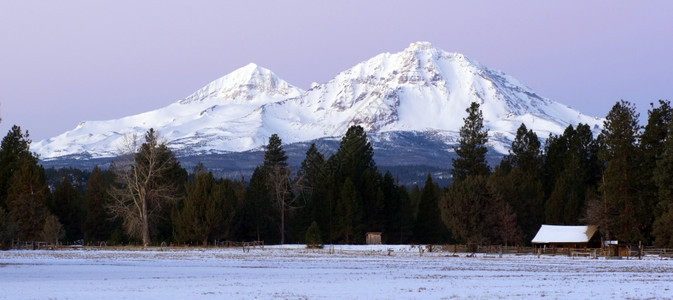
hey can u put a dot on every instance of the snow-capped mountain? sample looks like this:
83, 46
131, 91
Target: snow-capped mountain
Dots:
213, 118
422, 90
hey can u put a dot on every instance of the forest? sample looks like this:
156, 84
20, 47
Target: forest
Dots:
621, 180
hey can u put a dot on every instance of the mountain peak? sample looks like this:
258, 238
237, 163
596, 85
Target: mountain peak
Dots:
249, 73
420, 46
422, 89
245, 84
250, 66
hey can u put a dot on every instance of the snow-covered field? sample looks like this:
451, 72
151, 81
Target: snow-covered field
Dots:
293, 272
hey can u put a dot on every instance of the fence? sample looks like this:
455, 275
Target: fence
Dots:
244, 245
630, 251
32, 245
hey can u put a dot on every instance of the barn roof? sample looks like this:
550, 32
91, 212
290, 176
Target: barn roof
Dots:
564, 234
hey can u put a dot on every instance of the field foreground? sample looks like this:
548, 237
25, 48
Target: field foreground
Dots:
350, 272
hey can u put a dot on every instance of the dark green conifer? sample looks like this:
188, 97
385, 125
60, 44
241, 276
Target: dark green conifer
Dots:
14, 149
349, 217
619, 137
472, 149
97, 225
67, 204
429, 227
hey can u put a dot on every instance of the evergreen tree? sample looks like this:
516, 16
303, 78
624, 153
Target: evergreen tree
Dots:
468, 210
355, 155
26, 200
353, 161
652, 147
415, 199
372, 201
582, 171
331, 215
429, 227
280, 184
349, 218
662, 230
571, 170
14, 150
207, 210
97, 225
525, 153
257, 220
175, 177
523, 192
472, 149
522, 189
620, 136
67, 205
405, 222
391, 202
274, 154
313, 236
311, 177
554, 163
8, 230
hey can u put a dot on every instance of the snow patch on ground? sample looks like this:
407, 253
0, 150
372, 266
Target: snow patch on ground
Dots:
351, 272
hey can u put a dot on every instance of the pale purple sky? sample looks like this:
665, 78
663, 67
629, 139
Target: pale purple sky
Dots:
62, 62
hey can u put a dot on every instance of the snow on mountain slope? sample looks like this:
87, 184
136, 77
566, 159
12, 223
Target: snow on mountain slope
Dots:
420, 89
192, 124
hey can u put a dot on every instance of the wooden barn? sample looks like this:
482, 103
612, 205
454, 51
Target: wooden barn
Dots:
373, 238
561, 237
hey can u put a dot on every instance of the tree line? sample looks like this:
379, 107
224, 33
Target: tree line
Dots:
620, 180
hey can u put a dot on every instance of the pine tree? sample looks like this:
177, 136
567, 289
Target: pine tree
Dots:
406, 219
428, 229
415, 199
355, 155
472, 149
311, 177
554, 162
571, 170
14, 150
207, 210
662, 230
274, 154
526, 153
651, 148
372, 201
466, 210
313, 236
523, 189
97, 225
68, 206
353, 161
349, 217
619, 138
257, 220
26, 200
8, 230
392, 213
283, 190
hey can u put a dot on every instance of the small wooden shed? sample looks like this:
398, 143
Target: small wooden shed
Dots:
373, 238
567, 237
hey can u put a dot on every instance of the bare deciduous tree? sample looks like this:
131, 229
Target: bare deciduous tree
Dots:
141, 188
285, 193
597, 212
53, 230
